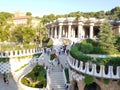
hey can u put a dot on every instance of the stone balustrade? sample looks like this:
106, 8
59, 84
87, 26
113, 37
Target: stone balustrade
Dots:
17, 53
91, 69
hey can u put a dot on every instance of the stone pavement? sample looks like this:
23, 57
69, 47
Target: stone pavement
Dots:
11, 86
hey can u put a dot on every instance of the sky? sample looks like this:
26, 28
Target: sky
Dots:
45, 7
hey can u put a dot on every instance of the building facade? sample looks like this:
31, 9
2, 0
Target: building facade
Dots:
20, 18
82, 28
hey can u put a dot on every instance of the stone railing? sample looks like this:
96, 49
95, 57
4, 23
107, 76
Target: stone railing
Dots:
91, 69
17, 53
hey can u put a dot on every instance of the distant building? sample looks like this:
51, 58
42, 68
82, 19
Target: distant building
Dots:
20, 18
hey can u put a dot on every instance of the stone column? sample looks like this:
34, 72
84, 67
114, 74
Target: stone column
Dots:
55, 31
80, 28
91, 30
69, 30
60, 31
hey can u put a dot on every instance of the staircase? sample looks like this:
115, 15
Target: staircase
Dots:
57, 41
56, 79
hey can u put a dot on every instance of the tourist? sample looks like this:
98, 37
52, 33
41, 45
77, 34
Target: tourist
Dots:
4, 78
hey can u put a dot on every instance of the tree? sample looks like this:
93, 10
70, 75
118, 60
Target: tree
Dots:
106, 38
41, 32
118, 43
28, 14
28, 35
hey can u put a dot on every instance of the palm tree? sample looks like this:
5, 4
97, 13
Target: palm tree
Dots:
41, 32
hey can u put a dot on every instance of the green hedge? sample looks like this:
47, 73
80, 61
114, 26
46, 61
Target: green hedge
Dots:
67, 75
75, 53
4, 59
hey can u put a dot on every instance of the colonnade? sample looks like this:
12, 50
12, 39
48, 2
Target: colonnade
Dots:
78, 28
71, 31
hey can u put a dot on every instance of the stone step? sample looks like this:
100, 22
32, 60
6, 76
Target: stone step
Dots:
56, 74
55, 82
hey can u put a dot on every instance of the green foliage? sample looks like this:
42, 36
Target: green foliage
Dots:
85, 47
113, 14
106, 39
50, 43
41, 33
88, 80
118, 42
106, 81
118, 83
23, 34
67, 75
52, 56
28, 13
25, 81
113, 61
36, 78
90, 46
4, 59
79, 55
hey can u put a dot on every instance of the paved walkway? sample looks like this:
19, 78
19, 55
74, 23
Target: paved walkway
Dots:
15, 86
11, 86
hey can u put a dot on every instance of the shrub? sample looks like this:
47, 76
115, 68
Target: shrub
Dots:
88, 80
118, 83
50, 43
106, 81
52, 56
75, 53
67, 75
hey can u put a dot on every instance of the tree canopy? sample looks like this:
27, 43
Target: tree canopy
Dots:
106, 38
113, 14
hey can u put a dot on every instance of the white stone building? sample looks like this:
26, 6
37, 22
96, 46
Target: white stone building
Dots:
78, 29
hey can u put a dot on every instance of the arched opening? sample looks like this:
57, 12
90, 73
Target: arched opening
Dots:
75, 86
92, 86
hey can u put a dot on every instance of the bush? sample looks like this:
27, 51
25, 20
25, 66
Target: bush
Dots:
118, 83
4, 59
88, 80
52, 56
67, 75
25, 81
50, 43
106, 81
75, 53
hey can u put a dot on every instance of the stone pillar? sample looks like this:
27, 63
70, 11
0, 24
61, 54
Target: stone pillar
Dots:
69, 30
91, 30
60, 31
55, 31
80, 28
